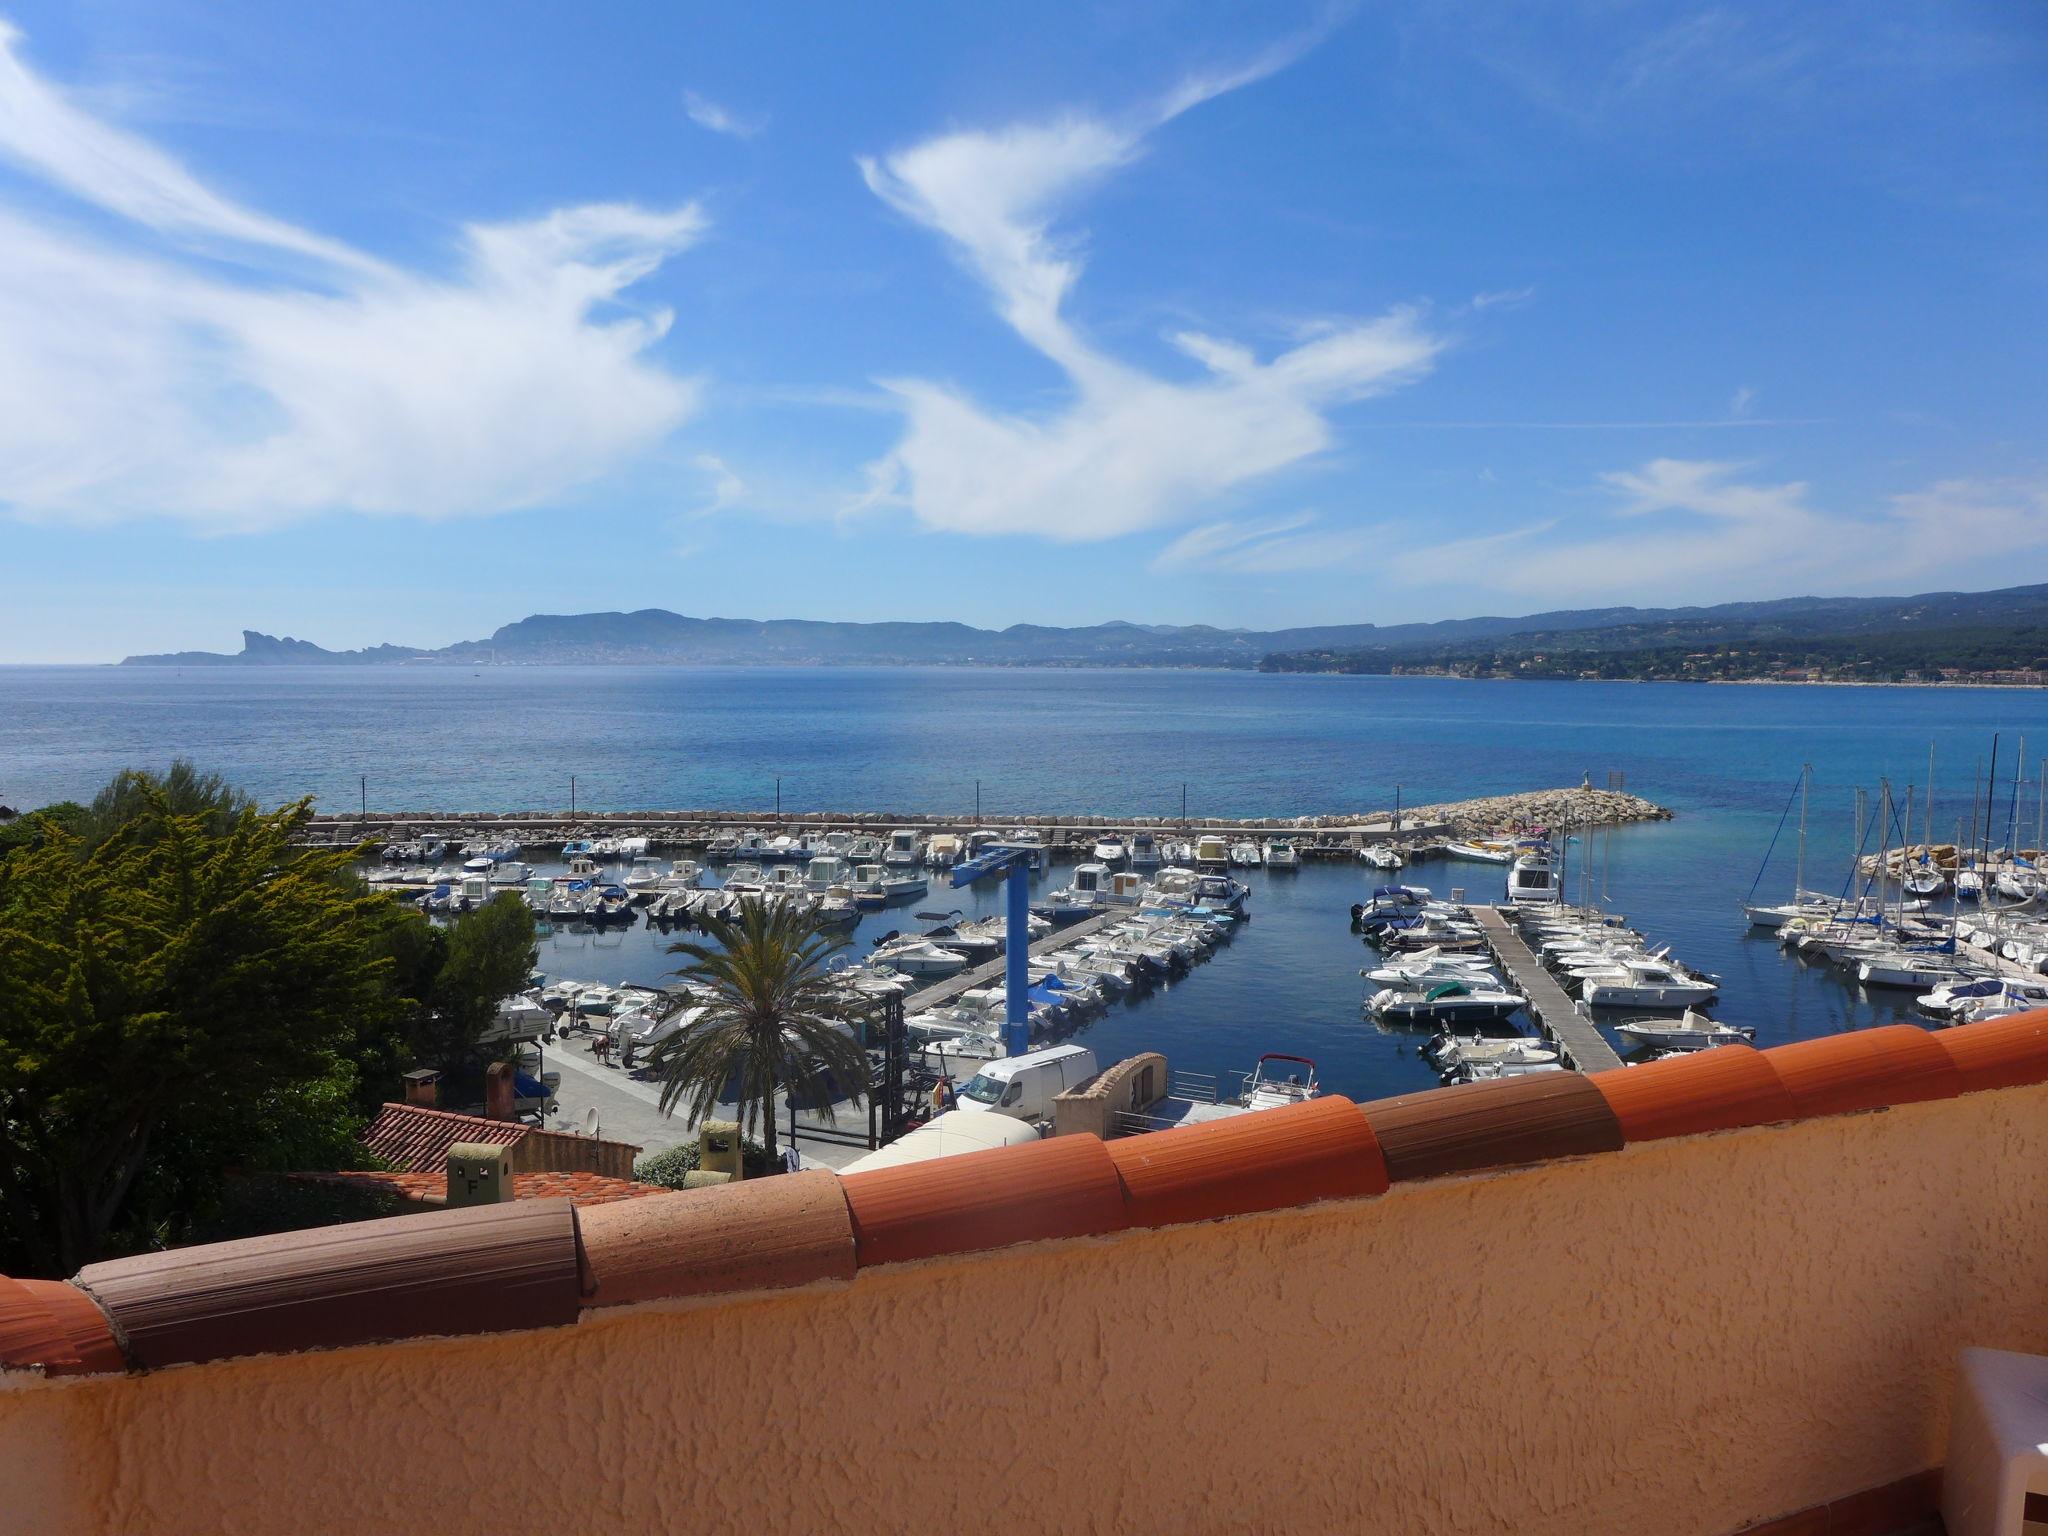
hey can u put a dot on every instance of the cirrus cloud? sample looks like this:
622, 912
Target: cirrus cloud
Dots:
207, 362
1131, 449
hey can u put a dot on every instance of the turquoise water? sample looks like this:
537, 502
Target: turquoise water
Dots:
917, 740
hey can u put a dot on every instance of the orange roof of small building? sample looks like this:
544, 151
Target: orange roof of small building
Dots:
417, 1138
581, 1188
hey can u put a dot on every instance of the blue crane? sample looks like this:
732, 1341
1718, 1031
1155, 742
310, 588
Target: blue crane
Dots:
1014, 865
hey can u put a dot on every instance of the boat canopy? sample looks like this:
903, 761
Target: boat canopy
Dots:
1447, 989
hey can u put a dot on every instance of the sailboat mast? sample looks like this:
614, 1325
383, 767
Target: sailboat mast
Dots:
1905, 844
1927, 821
1990, 800
1799, 869
1884, 840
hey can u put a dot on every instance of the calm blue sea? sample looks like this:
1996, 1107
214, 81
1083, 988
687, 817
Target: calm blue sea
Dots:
919, 740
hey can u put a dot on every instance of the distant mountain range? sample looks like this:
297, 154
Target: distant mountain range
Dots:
654, 635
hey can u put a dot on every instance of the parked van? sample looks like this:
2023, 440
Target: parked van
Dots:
1023, 1087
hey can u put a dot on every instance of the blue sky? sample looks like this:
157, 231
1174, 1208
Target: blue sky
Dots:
392, 322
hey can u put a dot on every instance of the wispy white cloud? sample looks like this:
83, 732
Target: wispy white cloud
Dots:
727, 488
1503, 298
140, 381
1707, 488
1742, 403
706, 113
1681, 530
2007, 516
1271, 547
1131, 449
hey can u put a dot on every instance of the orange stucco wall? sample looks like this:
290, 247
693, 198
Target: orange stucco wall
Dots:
1679, 1338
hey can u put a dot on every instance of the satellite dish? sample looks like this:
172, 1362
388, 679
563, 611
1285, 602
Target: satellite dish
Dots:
590, 1122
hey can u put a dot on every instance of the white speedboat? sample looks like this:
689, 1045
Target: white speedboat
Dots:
1280, 853
1381, 856
2011, 997
1910, 971
683, 875
1532, 878
1447, 1003
943, 851
1110, 851
1645, 983
1448, 1052
1690, 1032
1947, 1000
1144, 851
645, 874
1244, 853
1488, 851
920, 957
1279, 1080
1212, 852
1426, 967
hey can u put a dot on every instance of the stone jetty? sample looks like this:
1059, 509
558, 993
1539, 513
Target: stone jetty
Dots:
1552, 808
1331, 832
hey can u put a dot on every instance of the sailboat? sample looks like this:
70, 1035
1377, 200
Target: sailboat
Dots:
1804, 903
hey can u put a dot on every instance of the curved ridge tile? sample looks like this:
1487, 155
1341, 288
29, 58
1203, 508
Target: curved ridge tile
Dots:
1321, 1149
1723, 1089
1499, 1124
30, 1338
761, 1234
477, 1269
78, 1317
1864, 1069
1999, 1053
1065, 1187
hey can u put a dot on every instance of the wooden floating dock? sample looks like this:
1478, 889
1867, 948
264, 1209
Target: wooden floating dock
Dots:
991, 972
1580, 1045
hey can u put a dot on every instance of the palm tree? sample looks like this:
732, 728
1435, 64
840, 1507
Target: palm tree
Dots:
773, 1017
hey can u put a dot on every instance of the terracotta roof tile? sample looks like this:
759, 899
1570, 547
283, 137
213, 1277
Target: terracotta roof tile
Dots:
1065, 1187
1864, 1069
578, 1187
417, 1139
30, 1338
1498, 1124
1270, 1160
83, 1325
1717, 1090
480, 1269
762, 1234
1999, 1053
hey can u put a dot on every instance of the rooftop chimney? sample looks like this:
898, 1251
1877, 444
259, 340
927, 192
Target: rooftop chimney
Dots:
423, 1086
498, 1091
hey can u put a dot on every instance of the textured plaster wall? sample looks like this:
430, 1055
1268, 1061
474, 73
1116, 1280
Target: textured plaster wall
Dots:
1680, 1338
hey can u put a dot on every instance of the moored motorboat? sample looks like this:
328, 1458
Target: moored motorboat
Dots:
1689, 1032
1447, 1002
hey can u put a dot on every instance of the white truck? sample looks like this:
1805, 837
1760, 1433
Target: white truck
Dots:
1023, 1087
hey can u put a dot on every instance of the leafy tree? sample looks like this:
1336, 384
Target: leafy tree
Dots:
482, 959
27, 831
670, 1168
137, 800
175, 997
773, 1018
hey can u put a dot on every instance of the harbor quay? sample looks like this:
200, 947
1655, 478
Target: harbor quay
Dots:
1418, 829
